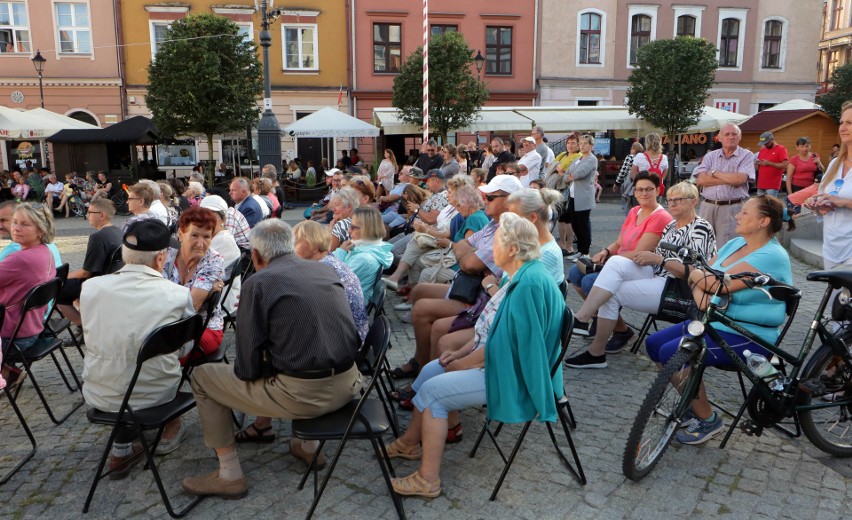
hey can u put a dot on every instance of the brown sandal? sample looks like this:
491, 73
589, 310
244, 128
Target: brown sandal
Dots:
398, 449
415, 485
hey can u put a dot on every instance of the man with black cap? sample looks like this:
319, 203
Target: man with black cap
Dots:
771, 161
119, 311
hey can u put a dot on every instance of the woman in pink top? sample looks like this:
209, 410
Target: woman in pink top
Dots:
801, 172
641, 231
21, 271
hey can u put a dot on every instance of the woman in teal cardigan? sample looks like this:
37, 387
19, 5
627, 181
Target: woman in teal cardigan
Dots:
506, 365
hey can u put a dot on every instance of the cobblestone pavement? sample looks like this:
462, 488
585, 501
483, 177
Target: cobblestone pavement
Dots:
768, 477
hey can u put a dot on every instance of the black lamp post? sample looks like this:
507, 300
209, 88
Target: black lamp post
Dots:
479, 61
38, 62
268, 130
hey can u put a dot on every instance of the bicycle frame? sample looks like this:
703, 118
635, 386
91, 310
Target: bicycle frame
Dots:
817, 328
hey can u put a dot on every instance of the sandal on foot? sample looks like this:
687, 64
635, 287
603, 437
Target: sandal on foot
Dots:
415, 485
257, 436
454, 434
401, 394
398, 449
399, 373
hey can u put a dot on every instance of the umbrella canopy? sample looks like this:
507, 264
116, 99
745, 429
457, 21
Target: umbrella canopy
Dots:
34, 125
68, 123
795, 104
330, 122
713, 119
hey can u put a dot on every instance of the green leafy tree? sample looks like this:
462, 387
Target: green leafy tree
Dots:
841, 91
205, 80
670, 83
455, 94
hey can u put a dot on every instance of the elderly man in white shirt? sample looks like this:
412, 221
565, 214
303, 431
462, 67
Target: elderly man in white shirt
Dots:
112, 307
530, 163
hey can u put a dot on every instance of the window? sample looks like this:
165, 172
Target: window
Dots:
686, 25
498, 51
590, 38
640, 34
387, 47
772, 44
158, 36
247, 32
836, 15
300, 47
441, 29
587, 102
763, 106
14, 35
72, 22
729, 42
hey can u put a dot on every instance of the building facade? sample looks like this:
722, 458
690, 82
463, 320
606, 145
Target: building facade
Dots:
765, 49
386, 32
81, 74
308, 70
835, 43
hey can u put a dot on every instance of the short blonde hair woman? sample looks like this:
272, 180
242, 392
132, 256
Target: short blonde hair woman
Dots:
366, 252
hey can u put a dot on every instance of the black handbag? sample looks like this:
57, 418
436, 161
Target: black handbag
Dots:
466, 287
677, 303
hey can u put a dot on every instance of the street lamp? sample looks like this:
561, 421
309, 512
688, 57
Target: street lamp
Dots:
479, 60
38, 62
268, 130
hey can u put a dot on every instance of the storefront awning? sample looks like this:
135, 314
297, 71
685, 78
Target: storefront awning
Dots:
136, 130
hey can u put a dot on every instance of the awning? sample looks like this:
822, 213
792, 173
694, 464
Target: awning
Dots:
590, 119
39, 124
330, 122
136, 130
390, 123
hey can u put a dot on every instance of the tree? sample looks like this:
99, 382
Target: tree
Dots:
670, 83
841, 91
204, 80
455, 94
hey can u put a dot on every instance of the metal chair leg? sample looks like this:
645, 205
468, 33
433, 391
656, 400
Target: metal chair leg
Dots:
30, 436
643, 331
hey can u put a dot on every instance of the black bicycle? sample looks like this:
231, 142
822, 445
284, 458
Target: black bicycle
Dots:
120, 201
817, 394
75, 202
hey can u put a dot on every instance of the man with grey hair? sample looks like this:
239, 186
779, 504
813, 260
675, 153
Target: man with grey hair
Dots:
723, 177
543, 150
111, 306
157, 208
282, 368
243, 201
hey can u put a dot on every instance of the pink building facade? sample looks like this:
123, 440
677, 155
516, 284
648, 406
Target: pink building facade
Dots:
385, 32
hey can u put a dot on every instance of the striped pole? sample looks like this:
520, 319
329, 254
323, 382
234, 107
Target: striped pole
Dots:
425, 70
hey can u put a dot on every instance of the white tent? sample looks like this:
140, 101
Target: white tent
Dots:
67, 123
330, 122
795, 104
35, 124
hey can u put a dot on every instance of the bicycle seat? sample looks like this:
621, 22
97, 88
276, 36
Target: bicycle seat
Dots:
834, 277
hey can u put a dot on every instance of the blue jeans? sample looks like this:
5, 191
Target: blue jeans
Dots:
662, 345
774, 193
22, 343
443, 392
583, 281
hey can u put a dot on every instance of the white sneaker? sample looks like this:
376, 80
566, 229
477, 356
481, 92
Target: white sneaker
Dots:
390, 284
404, 306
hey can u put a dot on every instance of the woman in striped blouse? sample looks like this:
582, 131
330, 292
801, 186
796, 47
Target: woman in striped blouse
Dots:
638, 283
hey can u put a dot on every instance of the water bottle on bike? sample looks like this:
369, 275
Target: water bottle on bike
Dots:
763, 369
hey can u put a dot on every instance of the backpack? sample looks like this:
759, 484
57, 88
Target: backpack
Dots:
655, 168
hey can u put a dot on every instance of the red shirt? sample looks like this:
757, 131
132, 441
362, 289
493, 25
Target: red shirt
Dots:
631, 231
769, 177
805, 170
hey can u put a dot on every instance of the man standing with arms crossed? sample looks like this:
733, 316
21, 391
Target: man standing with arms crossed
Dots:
723, 177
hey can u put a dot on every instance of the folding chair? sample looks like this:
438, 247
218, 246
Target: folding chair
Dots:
116, 262
164, 340
240, 266
59, 324
563, 409
21, 419
385, 383
361, 419
792, 304
45, 345
196, 356
375, 305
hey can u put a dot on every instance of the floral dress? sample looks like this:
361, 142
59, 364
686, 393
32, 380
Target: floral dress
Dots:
209, 270
354, 294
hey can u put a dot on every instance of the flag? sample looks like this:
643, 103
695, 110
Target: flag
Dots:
340, 96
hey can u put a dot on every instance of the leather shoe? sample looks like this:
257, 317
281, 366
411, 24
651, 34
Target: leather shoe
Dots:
212, 485
119, 467
300, 453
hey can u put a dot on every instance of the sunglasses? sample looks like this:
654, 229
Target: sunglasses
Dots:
837, 185
490, 198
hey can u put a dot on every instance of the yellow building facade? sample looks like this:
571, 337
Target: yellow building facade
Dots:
307, 62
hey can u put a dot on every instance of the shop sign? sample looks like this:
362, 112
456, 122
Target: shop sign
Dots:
688, 139
25, 150
33, 133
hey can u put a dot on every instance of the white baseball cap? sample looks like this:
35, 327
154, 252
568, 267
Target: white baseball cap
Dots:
508, 183
530, 139
331, 171
215, 203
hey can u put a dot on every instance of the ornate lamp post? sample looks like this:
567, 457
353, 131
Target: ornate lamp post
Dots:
479, 61
38, 63
268, 130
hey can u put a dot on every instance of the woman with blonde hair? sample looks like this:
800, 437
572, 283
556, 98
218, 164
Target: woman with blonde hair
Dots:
652, 160
366, 251
384, 175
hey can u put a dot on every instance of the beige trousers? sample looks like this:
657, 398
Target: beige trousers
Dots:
218, 391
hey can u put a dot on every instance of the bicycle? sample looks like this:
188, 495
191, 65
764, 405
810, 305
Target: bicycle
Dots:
827, 422
75, 202
120, 201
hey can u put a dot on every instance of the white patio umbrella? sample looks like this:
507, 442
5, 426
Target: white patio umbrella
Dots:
67, 123
330, 122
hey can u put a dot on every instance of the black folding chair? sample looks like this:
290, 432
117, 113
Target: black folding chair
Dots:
197, 356
21, 419
45, 345
115, 261
361, 419
55, 323
385, 383
238, 268
164, 340
376, 305
563, 409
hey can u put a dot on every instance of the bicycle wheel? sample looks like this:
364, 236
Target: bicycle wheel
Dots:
120, 200
829, 429
658, 419
77, 206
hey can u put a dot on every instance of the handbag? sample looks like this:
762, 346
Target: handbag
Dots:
425, 240
586, 266
466, 287
556, 181
677, 303
466, 319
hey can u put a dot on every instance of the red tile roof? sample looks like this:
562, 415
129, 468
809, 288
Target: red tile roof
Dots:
769, 120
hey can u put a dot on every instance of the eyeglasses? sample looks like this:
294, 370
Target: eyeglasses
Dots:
490, 198
645, 190
677, 200
837, 185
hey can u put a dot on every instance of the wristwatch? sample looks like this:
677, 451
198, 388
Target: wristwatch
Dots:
713, 173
